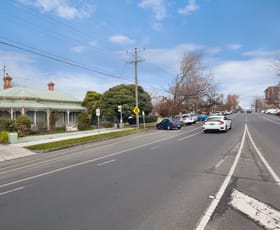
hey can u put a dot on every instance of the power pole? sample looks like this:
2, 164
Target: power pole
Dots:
135, 62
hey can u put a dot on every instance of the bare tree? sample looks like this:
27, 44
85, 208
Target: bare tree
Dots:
231, 101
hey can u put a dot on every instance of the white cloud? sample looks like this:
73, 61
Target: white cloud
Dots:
78, 49
63, 8
157, 7
121, 39
263, 53
189, 8
234, 46
247, 78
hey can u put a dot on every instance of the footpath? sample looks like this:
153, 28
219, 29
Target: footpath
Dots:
16, 150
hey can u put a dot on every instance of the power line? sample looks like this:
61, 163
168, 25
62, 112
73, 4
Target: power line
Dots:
60, 59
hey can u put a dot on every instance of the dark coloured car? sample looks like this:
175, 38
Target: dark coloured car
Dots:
168, 123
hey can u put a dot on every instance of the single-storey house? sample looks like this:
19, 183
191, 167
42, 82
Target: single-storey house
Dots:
38, 105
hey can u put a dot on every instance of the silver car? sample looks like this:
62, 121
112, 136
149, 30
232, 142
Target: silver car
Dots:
217, 123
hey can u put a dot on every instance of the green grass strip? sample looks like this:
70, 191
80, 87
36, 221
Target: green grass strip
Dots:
77, 141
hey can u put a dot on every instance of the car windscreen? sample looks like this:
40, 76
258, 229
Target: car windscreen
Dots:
214, 118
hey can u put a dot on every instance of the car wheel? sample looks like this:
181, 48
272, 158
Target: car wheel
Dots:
168, 127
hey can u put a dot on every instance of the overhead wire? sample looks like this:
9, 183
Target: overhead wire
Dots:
60, 59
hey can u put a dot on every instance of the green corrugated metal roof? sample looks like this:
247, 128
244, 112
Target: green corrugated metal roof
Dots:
39, 105
19, 97
21, 92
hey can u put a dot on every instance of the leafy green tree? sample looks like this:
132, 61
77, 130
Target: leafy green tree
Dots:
92, 102
124, 95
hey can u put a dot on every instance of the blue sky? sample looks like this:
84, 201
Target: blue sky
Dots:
238, 41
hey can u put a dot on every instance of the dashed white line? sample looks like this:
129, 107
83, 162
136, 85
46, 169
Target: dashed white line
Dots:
155, 147
187, 137
12, 190
219, 163
106, 162
87, 162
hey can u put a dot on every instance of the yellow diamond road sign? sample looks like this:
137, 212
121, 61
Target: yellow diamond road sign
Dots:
136, 110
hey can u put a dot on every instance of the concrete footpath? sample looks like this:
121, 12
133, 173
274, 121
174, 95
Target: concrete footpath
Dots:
17, 150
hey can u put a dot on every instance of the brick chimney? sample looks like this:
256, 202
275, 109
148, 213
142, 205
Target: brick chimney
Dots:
7, 82
51, 86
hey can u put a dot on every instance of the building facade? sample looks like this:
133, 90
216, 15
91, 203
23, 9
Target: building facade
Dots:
272, 96
38, 105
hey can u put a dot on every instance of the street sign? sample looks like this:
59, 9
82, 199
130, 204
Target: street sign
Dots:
119, 108
97, 112
136, 110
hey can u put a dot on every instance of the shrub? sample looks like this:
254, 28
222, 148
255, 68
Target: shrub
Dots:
4, 137
107, 124
7, 125
23, 125
53, 119
84, 121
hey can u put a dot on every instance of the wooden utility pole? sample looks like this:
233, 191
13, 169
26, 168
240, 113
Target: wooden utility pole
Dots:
135, 62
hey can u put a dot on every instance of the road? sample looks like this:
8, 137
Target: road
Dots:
178, 179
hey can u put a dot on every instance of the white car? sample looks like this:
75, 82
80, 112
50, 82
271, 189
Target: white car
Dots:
189, 119
217, 123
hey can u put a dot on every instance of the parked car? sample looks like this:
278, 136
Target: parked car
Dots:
217, 113
168, 123
217, 123
272, 111
189, 119
201, 117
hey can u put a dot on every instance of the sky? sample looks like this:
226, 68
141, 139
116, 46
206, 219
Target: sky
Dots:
89, 45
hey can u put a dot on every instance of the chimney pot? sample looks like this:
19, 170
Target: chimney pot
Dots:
51, 86
7, 81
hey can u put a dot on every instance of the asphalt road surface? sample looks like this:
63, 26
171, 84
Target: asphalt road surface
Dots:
178, 179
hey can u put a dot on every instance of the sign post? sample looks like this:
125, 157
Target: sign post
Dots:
143, 114
97, 112
120, 111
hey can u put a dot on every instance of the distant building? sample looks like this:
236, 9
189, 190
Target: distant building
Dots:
38, 104
272, 96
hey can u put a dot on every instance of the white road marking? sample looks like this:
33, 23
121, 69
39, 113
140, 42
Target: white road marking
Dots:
272, 121
219, 163
206, 217
12, 190
106, 162
261, 213
87, 162
184, 138
155, 147
269, 168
